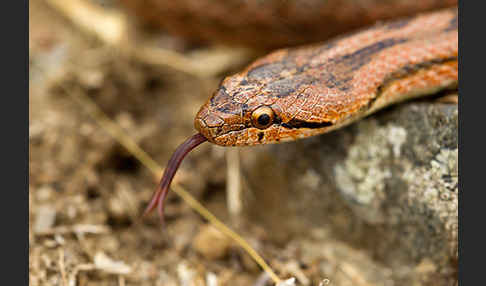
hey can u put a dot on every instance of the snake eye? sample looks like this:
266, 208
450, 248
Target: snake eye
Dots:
262, 117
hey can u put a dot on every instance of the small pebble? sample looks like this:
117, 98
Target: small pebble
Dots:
211, 243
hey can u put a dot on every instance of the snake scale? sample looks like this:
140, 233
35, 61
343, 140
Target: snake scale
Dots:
304, 91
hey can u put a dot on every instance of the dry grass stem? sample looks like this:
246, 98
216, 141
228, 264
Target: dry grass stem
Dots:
233, 184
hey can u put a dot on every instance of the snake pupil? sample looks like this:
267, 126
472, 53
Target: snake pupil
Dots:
263, 119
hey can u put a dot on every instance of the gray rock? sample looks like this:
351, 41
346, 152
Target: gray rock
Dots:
386, 185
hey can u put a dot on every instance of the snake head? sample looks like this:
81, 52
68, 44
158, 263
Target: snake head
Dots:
266, 103
238, 114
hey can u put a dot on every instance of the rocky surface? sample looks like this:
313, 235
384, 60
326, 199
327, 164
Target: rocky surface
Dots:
386, 185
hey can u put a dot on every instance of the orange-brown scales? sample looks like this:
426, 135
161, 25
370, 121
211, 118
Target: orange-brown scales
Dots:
296, 93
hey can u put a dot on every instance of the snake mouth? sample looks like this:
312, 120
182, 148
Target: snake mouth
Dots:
158, 198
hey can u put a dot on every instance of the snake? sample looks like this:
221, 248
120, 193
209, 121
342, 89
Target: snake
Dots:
303, 91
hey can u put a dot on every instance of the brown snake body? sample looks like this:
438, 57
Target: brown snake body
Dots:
301, 92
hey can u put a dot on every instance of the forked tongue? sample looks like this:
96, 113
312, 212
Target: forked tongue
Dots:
160, 194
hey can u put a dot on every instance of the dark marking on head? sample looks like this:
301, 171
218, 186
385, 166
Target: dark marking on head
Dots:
271, 70
220, 96
243, 82
296, 123
230, 108
288, 86
274, 70
284, 87
223, 102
